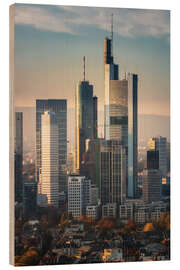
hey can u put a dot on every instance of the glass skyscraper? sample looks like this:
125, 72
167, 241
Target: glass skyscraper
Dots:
132, 133
113, 161
86, 119
120, 113
59, 107
160, 144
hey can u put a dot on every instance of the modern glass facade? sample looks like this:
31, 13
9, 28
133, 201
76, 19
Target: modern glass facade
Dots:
30, 198
95, 118
132, 133
113, 161
160, 144
153, 159
120, 113
59, 106
151, 185
86, 119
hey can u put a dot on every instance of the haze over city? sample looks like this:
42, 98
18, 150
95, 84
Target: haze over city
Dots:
91, 121
50, 43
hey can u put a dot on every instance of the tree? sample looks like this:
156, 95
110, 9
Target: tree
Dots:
63, 222
163, 223
31, 257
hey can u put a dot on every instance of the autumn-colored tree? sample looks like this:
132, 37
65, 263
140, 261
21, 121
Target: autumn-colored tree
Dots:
31, 257
105, 225
63, 222
163, 223
148, 227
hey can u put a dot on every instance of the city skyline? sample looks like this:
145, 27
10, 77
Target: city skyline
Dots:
42, 66
137, 50
92, 145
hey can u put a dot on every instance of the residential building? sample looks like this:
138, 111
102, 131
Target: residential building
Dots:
141, 214
157, 210
92, 211
126, 212
109, 210
78, 195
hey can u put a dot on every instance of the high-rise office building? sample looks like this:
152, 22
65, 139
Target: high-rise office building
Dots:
91, 165
18, 156
58, 106
151, 185
95, 118
86, 119
79, 188
151, 178
153, 160
49, 177
120, 112
160, 144
132, 133
30, 198
113, 160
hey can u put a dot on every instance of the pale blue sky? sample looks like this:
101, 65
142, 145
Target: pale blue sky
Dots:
50, 42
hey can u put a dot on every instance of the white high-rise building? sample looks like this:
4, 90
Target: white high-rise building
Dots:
78, 195
49, 177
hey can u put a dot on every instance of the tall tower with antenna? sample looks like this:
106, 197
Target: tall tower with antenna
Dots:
85, 118
120, 110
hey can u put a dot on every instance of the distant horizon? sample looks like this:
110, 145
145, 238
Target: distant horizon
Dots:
160, 127
50, 42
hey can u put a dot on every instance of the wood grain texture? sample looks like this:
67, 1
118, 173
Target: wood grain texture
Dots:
11, 137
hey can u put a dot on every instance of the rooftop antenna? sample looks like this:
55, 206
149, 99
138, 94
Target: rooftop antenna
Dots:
112, 32
84, 68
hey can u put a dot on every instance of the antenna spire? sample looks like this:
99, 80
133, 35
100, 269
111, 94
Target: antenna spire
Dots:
84, 68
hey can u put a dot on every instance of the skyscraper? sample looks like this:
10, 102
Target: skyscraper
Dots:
58, 106
120, 112
132, 133
18, 136
113, 160
95, 118
30, 198
86, 118
151, 185
152, 178
153, 160
49, 177
160, 144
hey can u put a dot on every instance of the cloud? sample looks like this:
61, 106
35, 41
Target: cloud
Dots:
74, 20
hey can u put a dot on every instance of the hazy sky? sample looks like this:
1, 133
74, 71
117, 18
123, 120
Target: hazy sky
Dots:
50, 42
